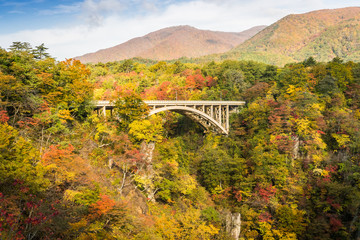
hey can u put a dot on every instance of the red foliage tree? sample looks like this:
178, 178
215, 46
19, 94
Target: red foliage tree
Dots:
266, 192
3, 116
102, 206
265, 217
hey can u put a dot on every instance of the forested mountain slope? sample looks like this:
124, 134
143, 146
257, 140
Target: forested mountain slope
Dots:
322, 34
172, 43
290, 165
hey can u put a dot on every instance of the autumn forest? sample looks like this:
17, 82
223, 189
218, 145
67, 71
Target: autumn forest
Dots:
290, 165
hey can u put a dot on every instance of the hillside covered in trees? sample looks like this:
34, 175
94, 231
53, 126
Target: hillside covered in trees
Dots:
172, 43
290, 165
322, 34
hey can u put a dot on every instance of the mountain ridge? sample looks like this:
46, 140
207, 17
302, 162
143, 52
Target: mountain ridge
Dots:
322, 34
172, 43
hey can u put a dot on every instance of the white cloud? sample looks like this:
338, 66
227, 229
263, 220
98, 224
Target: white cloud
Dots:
116, 21
16, 12
62, 9
95, 10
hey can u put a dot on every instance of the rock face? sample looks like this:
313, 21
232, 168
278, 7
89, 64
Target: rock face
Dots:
136, 199
147, 150
172, 43
233, 224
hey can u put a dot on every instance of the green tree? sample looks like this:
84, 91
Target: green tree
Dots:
128, 109
17, 47
309, 62
40, 52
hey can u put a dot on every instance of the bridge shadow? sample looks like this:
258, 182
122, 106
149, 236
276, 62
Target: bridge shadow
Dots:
183, 125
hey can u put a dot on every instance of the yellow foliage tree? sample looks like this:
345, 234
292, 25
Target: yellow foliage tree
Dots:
148, 130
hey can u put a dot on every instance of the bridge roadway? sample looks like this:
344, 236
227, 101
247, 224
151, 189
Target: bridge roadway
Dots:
212, 115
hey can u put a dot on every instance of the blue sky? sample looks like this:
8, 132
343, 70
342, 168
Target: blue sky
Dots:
74, 27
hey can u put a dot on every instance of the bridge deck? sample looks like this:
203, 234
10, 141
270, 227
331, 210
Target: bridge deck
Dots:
108, 104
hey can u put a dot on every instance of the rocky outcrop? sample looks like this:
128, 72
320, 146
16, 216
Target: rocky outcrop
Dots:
136, 199
147, 150
233, 224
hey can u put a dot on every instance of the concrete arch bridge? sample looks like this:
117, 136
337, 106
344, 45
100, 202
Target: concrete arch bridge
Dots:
212, 115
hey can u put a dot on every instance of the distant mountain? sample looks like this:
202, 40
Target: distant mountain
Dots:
322, 34
172, 43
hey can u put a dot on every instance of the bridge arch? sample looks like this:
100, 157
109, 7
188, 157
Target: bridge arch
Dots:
204, 119
212, 115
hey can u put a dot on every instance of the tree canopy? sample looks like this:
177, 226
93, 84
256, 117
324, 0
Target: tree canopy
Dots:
290, 165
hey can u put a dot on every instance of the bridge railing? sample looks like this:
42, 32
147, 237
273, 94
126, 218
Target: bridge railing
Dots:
179, 102
198, 102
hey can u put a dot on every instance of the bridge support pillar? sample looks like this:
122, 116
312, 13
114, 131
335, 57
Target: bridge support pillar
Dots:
220, 115
227, 117
104, 111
